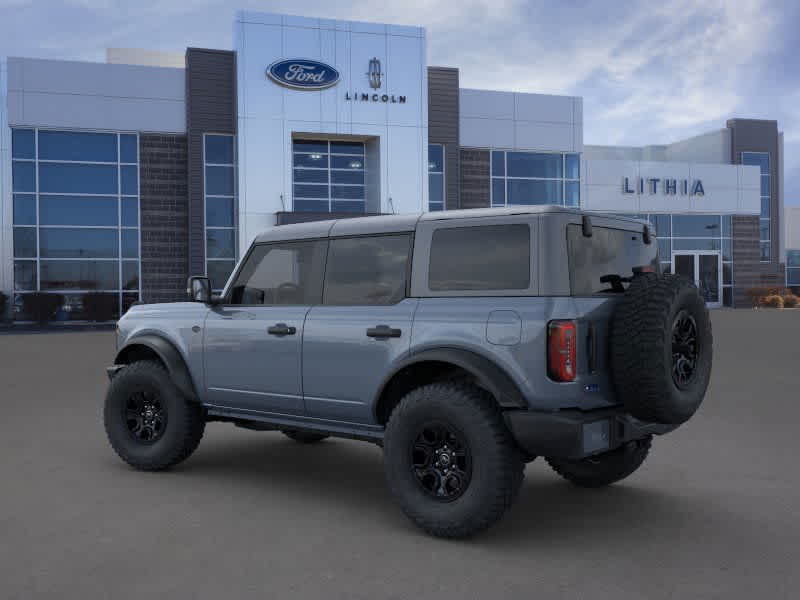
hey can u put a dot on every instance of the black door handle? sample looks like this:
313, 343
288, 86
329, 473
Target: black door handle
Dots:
281, 329
383, 331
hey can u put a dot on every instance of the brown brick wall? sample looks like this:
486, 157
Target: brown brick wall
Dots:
748, 271
164, 217
443, 125
475, 178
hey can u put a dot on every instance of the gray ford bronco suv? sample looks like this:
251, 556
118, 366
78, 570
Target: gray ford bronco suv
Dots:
465, 343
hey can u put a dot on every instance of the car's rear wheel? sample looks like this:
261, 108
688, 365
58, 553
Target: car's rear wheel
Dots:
604, 469
149, 423
304, 437
450, 462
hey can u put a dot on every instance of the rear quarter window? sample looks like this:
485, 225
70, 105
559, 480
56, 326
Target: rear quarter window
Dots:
608, 252
485, 257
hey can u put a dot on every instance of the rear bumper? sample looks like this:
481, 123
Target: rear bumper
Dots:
575, 434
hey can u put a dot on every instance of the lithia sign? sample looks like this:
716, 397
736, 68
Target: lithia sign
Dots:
306, 74
667, 186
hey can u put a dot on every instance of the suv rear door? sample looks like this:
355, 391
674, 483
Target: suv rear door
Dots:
362, 326
252, 344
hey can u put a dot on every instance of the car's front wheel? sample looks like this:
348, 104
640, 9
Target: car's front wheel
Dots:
149, 423
450, 462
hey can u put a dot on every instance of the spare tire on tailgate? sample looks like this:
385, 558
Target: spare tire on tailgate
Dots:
661, 348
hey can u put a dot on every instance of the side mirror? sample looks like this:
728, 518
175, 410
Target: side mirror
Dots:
199, 289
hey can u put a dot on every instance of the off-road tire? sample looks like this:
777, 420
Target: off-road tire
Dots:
304, 437
185, 422
497, 468
643, 347
603, 469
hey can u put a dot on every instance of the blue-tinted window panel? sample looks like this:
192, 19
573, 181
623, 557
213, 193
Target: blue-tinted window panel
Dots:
130, 243
219, 212
77, 210
25, 275
77, 243
695, 244
129, 180
435, 158
25, 242
80, 146
521, 191
128, 299
793, 258
696, 226
533, 164
763, 229
311, 175
77, 179
436, 188
347, 148
765, 207
664, 249
727, 226
727, 273
765, 251
759, 159
498, 192
348, 206
219, 181
350, 192
24, 209
218, 272
128, 148
309, 146
311, 205
572, 193
220, 243
727, 297
498, 163
765, 185
130, 274
572, 166
347, 162
315, 161
663, 225
435, 207
23, 176
79, 275
727, 249
23, 143
130, 212
354, 177
310, 191
219, 149
793, 276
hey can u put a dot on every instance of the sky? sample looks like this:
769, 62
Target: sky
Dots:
649, 72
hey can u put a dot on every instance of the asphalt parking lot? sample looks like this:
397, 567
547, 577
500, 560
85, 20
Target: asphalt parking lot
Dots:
714, 513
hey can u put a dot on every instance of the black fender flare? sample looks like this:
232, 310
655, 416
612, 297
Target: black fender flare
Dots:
487, 374
169, 355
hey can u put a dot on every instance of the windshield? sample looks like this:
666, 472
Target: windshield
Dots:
602, 263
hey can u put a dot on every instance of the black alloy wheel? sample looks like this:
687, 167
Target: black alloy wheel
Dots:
145, 416
441, 461
684, 349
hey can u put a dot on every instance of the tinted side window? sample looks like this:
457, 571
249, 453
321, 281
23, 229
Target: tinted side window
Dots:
607, 252
282, 273
367, 270
488, 257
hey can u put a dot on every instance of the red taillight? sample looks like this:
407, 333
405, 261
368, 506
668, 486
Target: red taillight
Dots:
561, 350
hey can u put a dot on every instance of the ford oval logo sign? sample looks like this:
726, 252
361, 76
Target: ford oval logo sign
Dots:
303, 74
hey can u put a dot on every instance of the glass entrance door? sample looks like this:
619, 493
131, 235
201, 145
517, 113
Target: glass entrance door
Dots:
705, 270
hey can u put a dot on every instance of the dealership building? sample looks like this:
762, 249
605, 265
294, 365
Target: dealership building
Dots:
127, 176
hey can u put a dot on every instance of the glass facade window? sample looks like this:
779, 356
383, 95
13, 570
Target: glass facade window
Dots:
535, 178
328, 176
761, 160
793, 268
436, 177
219, 158
76, 216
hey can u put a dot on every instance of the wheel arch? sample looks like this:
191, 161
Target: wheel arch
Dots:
439, 363
152, 346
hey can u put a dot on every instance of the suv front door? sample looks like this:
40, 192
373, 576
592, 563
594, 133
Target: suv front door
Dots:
252, 344
362, 326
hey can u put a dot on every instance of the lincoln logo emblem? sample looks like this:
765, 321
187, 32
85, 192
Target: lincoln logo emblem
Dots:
374, 74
